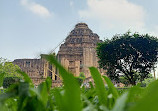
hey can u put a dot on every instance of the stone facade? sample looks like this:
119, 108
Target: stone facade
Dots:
37, 69
33, 67
76, 54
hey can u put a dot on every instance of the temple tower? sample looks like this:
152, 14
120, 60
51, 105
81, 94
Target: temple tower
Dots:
78, 52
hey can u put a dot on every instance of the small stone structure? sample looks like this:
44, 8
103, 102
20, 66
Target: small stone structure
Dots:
76, 54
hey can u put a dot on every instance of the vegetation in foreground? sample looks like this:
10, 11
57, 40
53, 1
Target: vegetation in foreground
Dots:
23, 96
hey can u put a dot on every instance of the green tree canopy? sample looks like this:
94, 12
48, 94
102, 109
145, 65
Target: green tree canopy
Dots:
9, 68
130, 55
10, 72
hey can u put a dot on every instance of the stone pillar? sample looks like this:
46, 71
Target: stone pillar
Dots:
53, 72
46, 69
64, 62
77, 68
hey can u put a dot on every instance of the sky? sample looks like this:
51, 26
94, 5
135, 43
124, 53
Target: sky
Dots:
31, 27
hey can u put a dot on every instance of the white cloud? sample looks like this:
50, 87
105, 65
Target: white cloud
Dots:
115, 14
71, 3
36, 8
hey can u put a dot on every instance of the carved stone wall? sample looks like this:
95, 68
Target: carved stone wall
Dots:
33, 67
78, 52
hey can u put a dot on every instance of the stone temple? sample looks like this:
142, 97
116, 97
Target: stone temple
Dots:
76, 54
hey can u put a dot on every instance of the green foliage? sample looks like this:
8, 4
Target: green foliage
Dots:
23, 96
121, 103
112, 89
133, 55
149, 99
100, 88
9, 81
9, 70
147, 81
26, 97
81, 78
71, 99
25, 76
1, 78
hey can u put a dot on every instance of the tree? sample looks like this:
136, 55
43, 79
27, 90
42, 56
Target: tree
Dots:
10, 72
132, 55
147, 81
9, 68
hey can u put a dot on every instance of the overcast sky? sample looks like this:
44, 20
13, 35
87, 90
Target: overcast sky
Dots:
31, 27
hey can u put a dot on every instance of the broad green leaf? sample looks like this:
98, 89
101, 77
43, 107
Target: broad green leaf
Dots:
90, 94
121, 103
135, 93
103, 108
90, 106
92, 87
48, 83
23, 93
112, 88
59, 99
26, 77
149, 102
9, 105
99, 84
43, 93
12, 92
71, 97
